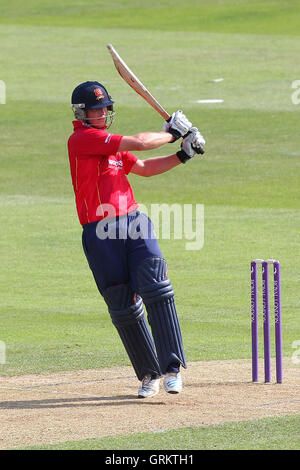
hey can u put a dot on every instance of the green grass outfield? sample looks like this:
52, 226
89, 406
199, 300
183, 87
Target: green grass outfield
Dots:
272, 434
52, 317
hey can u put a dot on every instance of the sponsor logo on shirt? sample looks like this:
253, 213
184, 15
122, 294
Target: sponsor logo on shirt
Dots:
115, 164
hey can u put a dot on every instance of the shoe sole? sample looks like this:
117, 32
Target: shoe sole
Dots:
151, 396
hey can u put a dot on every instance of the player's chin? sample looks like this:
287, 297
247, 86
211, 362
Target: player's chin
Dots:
101, 124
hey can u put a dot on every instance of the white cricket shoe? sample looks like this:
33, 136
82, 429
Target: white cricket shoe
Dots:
173, 382
149, 388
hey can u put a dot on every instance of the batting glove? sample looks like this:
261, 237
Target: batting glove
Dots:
178, 125
191, 145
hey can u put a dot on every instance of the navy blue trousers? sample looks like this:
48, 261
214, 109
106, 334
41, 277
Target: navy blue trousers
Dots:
114, 249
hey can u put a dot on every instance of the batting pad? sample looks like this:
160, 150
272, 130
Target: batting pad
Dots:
127, 315
157, 293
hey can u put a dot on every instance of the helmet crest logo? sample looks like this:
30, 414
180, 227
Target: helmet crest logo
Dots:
99, 93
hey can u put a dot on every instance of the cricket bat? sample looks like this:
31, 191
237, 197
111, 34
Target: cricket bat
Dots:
135, 83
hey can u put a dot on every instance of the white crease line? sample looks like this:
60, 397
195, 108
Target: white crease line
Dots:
278, 403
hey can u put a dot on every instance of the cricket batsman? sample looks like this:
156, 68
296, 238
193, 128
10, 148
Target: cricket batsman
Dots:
119, 242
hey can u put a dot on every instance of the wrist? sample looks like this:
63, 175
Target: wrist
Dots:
182, 156
175, 135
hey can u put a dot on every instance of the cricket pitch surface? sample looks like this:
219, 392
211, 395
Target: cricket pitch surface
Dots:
73, 405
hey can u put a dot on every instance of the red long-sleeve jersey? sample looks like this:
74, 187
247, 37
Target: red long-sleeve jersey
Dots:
98, 173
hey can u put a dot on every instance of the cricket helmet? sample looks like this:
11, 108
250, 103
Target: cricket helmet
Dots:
90, 95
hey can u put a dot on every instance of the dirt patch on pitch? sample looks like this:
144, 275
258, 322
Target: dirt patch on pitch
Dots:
73, 405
